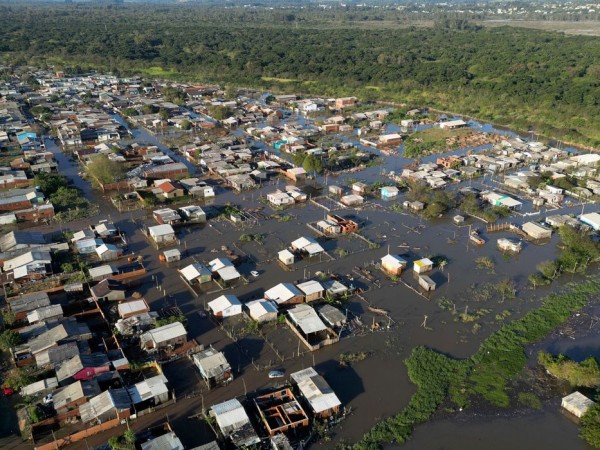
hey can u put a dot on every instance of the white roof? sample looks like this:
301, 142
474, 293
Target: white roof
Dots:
228, 273
307, 319
318, 393
45, 312
285, 254
149, 388
310, 287
304, 374
261, 307
219, 263
393, 260
592, 219
132, 307
166, 332
302, 242
39, 386
161, 230
172, 252
314, 249
101, 271
168, 441
230, 414
194, 271
223, 302
282, 292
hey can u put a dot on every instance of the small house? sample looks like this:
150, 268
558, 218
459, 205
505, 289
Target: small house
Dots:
109, 252
162, 234
233, 422
225, 306
110, 404
261, 310
352, 200
213, 367
285, 294
312, 290
537, 231
336, 190
280, 412
509, 245
577, 403
360, 187
286, 257
423, 265
389, 192
45, 314
279, 198
132, 308
591, 219
166, 216
172, 255
426, 283
101, 272
322, 400
167, 441
150, 392
193, 213
196, 274
109, 290
393, 265
162, 337
332, 316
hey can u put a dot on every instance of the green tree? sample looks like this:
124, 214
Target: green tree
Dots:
10, 339
186, 125
105, 170
50, 183
590, 426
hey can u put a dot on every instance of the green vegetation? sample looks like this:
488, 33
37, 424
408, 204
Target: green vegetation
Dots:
18, 378
9, 339
485, 262
530, 400
171, 319
513, 76
347, 359
436, 203
251, 237
500, 358
123, 442
586, 373
104, 170
471, 205
577, 251
590, 426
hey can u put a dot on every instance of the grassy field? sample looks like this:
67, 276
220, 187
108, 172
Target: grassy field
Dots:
437, 134
579, 28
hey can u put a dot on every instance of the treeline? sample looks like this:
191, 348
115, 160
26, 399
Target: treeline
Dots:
522, 78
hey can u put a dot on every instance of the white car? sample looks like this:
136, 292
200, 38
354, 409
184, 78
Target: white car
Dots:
254, 273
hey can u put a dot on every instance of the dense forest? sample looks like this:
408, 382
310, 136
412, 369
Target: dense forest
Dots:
531, 80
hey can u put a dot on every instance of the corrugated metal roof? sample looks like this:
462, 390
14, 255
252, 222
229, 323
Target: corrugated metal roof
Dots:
307, 319
45, 312
230, 414
150, 388
282, 292
168, 441
165, 333
310, 287
318, 393
211, 363
223, 302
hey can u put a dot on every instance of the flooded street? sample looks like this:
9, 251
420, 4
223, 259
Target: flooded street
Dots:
378, 386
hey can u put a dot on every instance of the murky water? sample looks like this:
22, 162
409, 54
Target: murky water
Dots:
379, 386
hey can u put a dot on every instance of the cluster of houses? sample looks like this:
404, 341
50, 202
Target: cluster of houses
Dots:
281, 415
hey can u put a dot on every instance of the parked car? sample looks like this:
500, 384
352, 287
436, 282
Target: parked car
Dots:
276, 374
7, 390
254, 273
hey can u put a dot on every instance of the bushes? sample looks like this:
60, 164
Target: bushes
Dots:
586, 373
590, 426
499, 359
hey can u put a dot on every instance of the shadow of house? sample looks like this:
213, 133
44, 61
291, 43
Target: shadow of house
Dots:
346, 383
